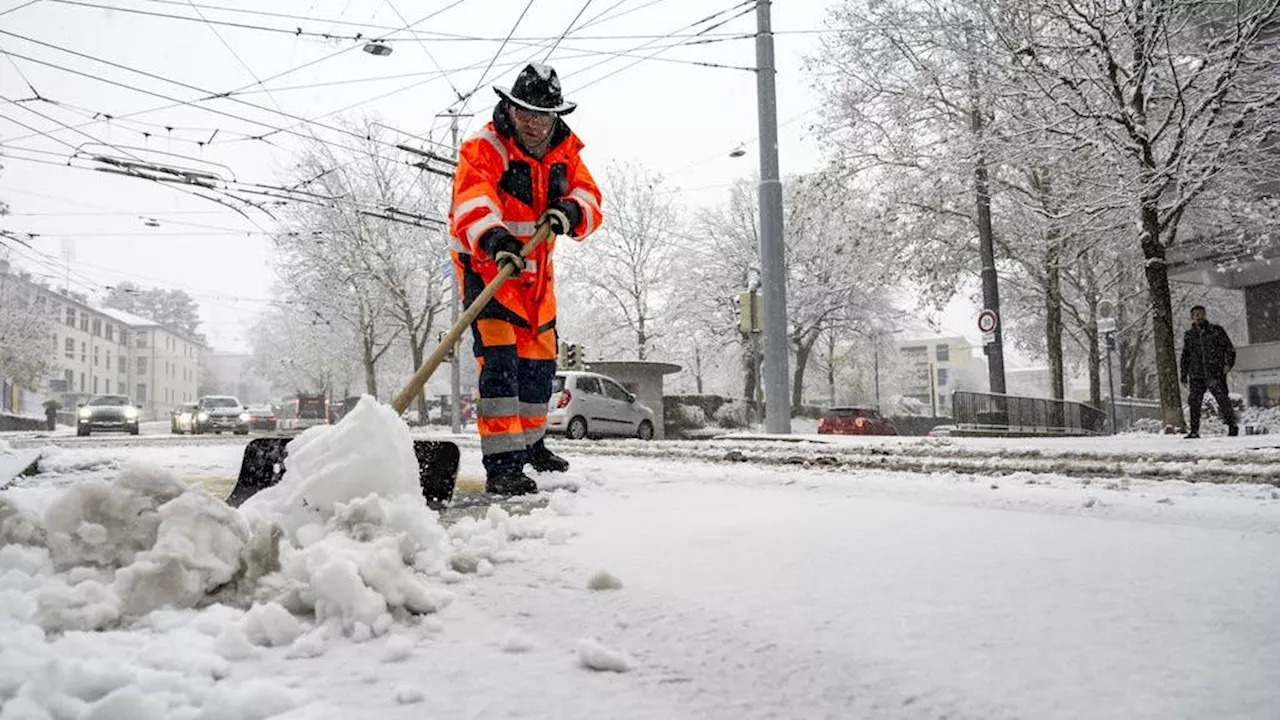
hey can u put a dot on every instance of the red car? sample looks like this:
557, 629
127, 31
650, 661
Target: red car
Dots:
854, 421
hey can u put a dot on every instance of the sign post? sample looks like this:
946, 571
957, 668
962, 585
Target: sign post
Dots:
1107, 326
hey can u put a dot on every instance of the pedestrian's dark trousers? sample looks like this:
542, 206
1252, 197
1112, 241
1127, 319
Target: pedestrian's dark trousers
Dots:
1216, 387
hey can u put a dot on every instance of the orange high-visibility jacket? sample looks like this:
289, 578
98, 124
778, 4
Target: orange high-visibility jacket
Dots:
497, 183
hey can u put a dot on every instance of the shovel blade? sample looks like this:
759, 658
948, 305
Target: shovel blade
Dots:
263, 465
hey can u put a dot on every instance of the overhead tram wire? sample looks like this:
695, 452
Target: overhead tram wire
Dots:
273, 129
645, 45
496, 55
567, 29
236, 55
391, 4
228, 94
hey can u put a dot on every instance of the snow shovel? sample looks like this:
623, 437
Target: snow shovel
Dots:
263, 462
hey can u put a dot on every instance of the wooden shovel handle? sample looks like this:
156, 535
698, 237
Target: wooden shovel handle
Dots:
505, 270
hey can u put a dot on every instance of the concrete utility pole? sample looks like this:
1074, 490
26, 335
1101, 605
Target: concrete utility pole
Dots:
773, 270
455, 365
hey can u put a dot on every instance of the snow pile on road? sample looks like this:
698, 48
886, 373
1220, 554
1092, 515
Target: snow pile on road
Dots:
116, 593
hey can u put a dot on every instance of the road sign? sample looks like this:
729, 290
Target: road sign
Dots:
988, 322
1106, 324
988, 338
1106, 309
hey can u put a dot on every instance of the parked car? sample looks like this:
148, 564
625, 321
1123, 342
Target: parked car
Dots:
590, 404
941, 430
854, 421
182, 420
262, 418
107, 412
217, 413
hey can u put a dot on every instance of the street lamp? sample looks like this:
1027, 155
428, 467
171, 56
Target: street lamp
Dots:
377, 48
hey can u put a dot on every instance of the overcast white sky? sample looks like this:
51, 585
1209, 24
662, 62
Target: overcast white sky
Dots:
679, 118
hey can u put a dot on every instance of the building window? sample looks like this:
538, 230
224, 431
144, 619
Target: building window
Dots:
95, 384
71, 317
95, 356
124, 336
81, 382
142, 366
108, 359
142, 340
107, 382
142, 393
84, 352
97, 327
70, 378
84, 321
943, 377
70, 347
944, 353
111, 332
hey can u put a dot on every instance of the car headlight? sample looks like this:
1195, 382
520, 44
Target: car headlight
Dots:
202, 416
131, 413
86, 413
245, 417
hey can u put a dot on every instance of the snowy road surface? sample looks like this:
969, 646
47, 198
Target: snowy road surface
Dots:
747, 592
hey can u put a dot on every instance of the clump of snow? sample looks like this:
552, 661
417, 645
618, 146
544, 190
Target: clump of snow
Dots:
408, 695
604, 580
516, 642
595, 656
398, 649
271, 625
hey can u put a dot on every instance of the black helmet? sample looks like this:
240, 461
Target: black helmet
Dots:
537, 88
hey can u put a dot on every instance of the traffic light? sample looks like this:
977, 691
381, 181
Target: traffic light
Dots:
573, 356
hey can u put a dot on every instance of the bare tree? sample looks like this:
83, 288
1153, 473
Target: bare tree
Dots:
629, 264
364, 255
1181, 94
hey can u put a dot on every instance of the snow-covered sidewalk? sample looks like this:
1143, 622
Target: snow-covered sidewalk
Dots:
746, 591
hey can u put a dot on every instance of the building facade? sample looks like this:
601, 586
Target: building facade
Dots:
937, 367
105, 351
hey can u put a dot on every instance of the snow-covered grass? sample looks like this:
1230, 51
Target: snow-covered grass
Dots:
665, 587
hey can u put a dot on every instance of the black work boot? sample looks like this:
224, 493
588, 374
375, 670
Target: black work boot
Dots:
1233, 430
1193, 435
510, 481
543, 460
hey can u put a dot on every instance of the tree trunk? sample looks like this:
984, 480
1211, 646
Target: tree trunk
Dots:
1157, 272
831, 366
641, 337
749, 366
804, 348
417, 350
370, 371
1053, 318
697, 368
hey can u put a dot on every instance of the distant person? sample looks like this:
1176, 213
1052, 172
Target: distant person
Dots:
1207, 357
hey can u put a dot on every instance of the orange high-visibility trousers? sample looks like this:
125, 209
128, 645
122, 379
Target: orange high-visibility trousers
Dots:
517, 366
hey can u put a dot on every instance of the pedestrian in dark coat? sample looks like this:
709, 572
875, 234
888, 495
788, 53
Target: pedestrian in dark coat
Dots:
1207, 357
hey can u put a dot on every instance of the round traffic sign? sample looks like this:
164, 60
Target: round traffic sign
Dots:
987, 321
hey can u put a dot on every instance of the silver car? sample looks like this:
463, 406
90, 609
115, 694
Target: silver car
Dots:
585, 404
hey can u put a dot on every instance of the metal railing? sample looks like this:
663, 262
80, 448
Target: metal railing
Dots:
1130, 410
994, 414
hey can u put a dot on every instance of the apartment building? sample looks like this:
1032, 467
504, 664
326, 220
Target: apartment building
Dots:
937, 366
102, 350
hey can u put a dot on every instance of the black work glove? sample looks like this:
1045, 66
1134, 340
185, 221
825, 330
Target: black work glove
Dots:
563, 214
503, 247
